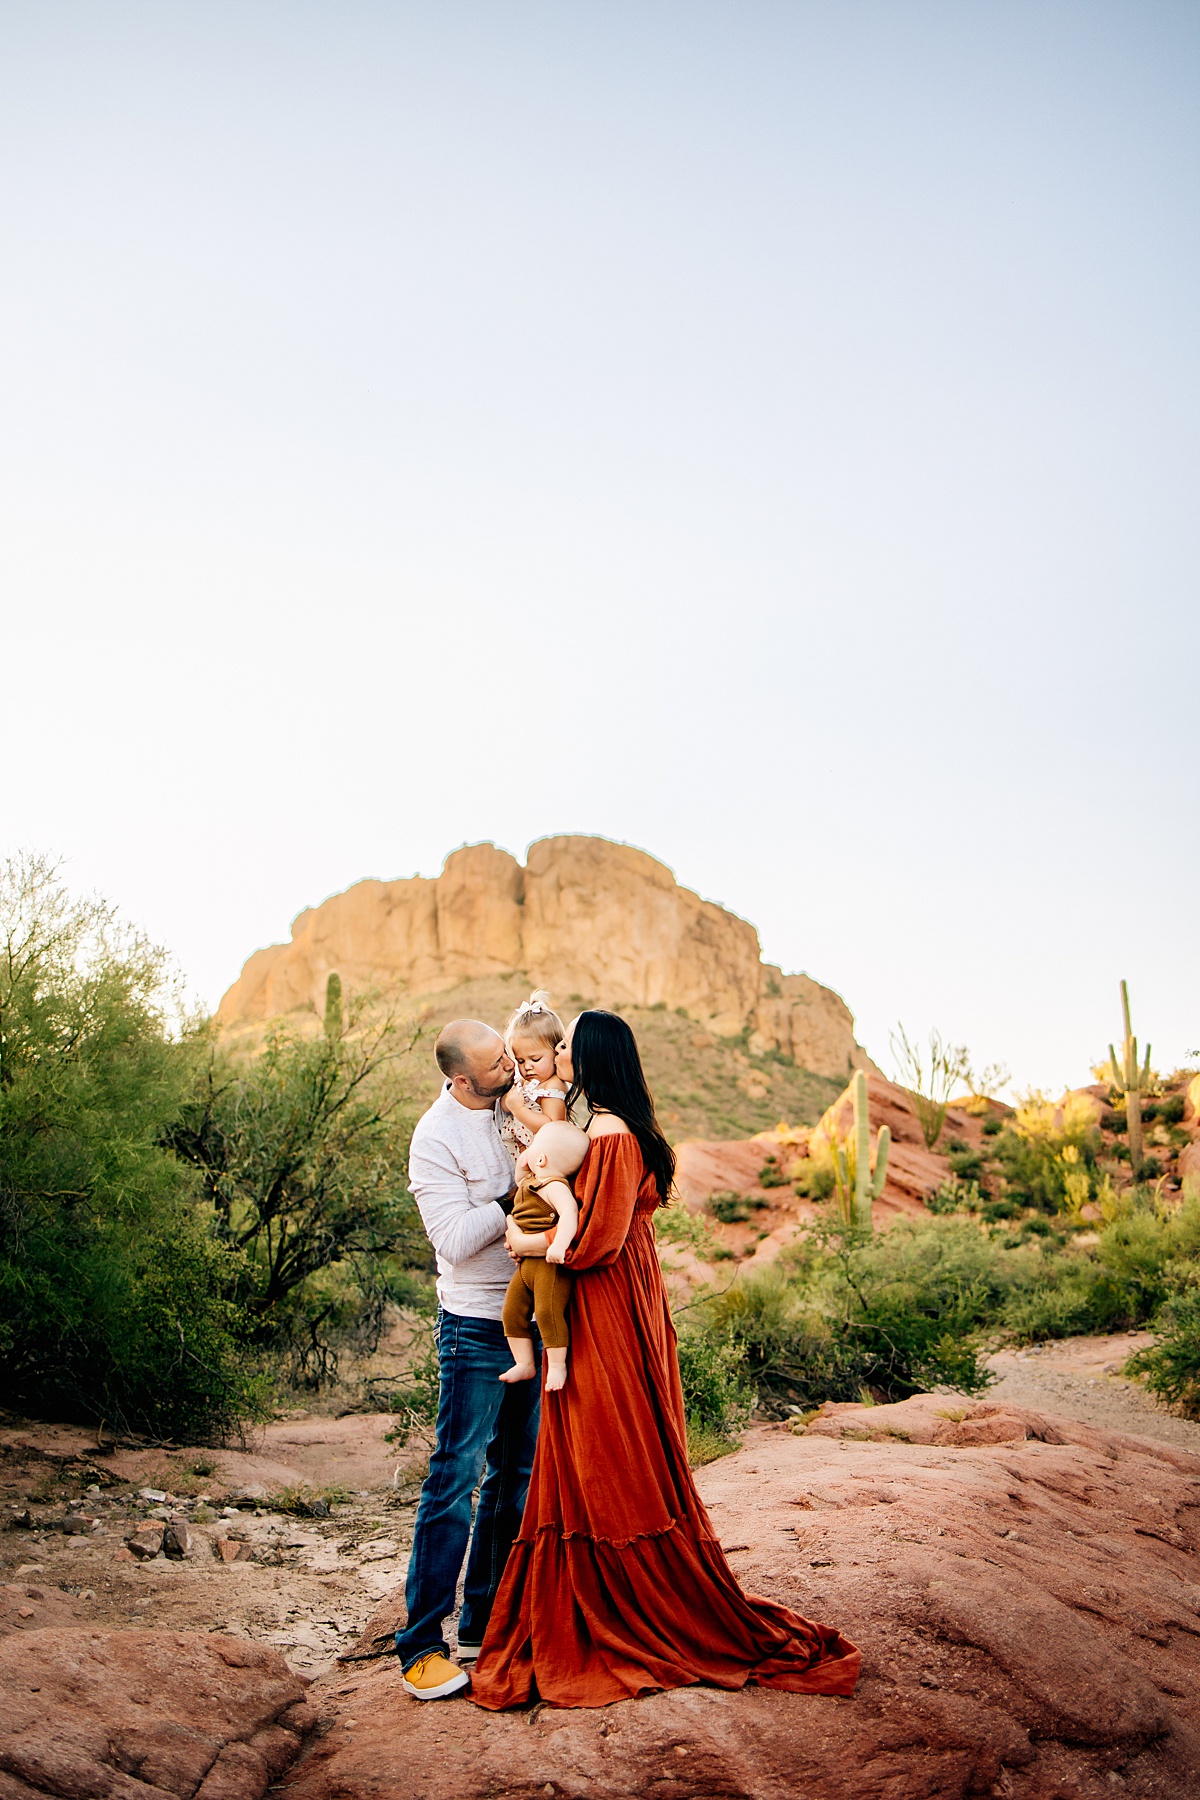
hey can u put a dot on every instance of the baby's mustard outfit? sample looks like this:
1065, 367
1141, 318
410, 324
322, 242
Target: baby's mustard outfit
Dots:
538, 1289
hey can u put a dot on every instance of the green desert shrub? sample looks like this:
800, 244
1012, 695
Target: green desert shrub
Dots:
917, 1307
114, 1303
718, 1395
895, 1314
955, 1196
732, 1208
815, 1180
1116, 1285
1171, 1366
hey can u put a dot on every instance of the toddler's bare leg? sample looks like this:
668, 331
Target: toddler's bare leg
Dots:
516, 1319
524, 1368
556, 1369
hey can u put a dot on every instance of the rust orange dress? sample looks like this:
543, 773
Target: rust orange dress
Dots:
617, 1584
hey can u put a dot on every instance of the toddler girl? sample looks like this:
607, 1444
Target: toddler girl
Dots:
537, 1096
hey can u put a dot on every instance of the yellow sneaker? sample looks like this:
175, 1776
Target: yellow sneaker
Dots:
434, 1677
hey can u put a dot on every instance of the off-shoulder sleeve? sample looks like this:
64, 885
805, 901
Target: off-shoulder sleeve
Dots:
607, 1190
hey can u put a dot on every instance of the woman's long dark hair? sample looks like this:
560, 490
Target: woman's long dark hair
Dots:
608, 1074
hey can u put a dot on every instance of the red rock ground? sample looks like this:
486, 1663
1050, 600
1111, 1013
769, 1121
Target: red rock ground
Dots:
140, 1715
1025, 1589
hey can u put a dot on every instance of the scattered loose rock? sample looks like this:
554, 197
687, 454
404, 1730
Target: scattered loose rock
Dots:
230, 1550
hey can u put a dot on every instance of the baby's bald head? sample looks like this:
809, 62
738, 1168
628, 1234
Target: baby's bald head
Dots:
558, 1150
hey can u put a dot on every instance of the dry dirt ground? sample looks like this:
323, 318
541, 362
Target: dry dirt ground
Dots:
303, 1585
1083, 1378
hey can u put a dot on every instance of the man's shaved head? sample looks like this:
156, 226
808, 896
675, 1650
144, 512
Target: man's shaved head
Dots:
471, 1055
460, 1042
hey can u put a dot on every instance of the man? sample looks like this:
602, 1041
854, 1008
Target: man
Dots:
462, 1177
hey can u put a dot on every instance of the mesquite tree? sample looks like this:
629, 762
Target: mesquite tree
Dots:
302, 1155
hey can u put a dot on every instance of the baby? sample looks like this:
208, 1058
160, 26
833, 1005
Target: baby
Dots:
532, 1037
540, 1286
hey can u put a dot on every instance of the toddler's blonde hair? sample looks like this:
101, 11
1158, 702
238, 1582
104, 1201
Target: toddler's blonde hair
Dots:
534, 1018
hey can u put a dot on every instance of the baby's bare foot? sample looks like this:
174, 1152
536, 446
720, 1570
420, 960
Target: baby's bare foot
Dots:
556, 1378
519, 1372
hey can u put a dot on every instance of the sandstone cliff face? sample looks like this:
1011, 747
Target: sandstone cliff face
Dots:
584, 916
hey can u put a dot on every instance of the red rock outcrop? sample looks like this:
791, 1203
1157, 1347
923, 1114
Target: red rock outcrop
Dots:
140, 1715
1026, 1592
711, 1166
913, 1170
584, 916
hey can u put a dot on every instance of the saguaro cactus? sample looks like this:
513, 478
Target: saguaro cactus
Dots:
333, 1007
857, 1182
1132, 1082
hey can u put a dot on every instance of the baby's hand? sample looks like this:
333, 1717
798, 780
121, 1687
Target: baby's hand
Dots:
509, 1102
555, 1252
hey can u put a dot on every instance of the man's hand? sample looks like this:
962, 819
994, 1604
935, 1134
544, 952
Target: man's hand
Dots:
524, 1243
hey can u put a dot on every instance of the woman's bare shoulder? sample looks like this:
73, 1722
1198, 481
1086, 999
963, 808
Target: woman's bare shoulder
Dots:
608, 1125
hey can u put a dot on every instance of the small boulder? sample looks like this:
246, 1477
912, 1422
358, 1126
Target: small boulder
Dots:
146, 1541
251, 1495
177, 1539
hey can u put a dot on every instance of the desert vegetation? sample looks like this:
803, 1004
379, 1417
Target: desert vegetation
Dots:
182, 1228
193, 1226
1061, 1219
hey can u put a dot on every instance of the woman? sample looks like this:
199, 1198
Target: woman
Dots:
617, 1584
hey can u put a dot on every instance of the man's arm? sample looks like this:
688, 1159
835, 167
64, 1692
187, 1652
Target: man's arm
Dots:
456, 1229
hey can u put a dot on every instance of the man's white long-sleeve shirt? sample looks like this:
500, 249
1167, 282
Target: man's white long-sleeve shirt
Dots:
458, 1168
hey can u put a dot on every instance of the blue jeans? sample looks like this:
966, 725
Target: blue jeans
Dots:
484, 1427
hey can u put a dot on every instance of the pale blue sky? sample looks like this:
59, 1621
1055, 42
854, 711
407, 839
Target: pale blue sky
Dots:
766, 434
